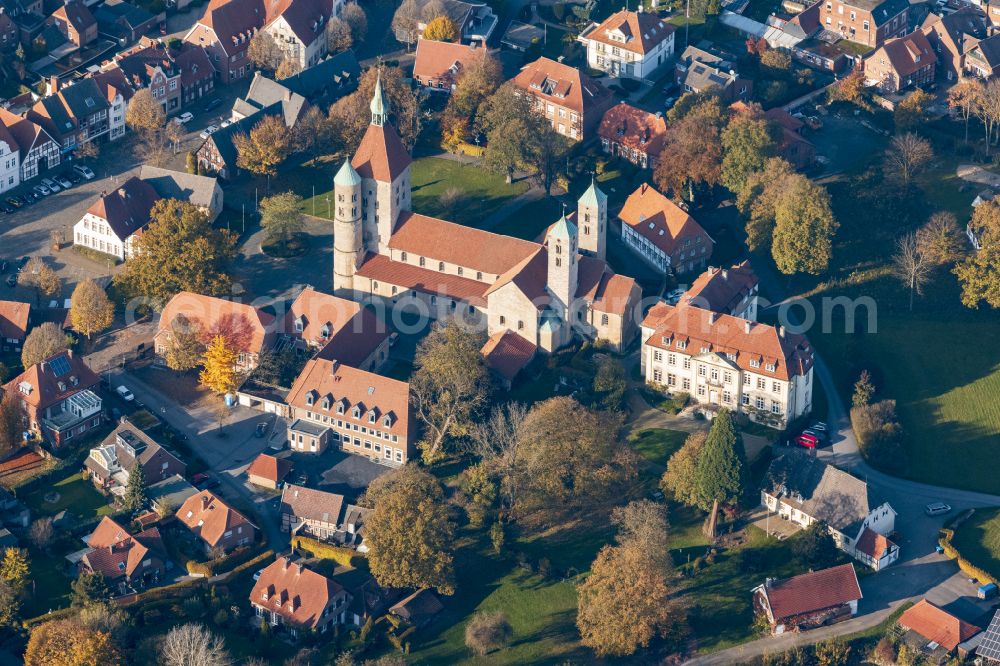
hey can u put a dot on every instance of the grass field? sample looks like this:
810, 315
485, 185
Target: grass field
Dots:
482, 191
76, 495
49, 587
978, 540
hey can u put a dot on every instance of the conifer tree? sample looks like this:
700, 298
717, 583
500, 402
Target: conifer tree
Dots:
722, 471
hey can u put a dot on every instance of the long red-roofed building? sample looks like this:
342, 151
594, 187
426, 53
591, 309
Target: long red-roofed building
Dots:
810, 600
662, 233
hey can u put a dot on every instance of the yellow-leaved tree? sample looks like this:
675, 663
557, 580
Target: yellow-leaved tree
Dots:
441, 29
91, 311
219, 372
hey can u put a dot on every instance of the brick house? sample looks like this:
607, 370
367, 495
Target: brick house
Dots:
952, 36
73, 114
438, 65
129, 562
112, 461
901, 63
290, 595
662, 233
983, 59
571, 100
75, 22
267, 471
322, 515
633, 134
867, 22
224, 32
810, 600
150, 64
14, 319
732, 291
629, 44
215, 523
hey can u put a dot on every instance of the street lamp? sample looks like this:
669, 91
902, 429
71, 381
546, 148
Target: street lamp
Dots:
329, 214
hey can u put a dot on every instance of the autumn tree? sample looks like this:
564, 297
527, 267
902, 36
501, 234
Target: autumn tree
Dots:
905, 157
281, 217
38, 274
692, 153
803, 229
441, 29
144, 113
184, 348
643, 524
487, 631
267, 146
41, 532
10, 607
449, 386
69, 643
351, 115
986, 106
264, 52
44, 341
219, 366
496, 441
964, 96
91, 311
758, 198
178, 251
404, 22
912, 110
135, 497
476, 83
979, 274
14, 568
88, 150
681, 477
312, 133
409, 532
287, 67
509, 124
546, 151
941, 240
354, 16
192, 644
722, 469
815, 546
10, 424
911, 266
747, 143
338, 35
849, 89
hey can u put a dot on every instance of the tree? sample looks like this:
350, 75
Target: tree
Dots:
41, 533
354, 16
91, 311
14, 568
409, 532
642, 524
441, 29
44, 341
965, 96
193, 645
88, 150
759, 197
264, 52
178, 251
832, 652
267, 146
776, 60
815, 546
979, 275
547, 150
144, 113
864, 390
848, 89
747, 143
692, 153
135, 497
906, 156
722, 470
610, 383
311, 133
69, 643
338, 35
803, 229
450, 385
497, 441
38, 274
910, 265
184, 348
987, 109
219, 371
351, 115
281, 217
191, 163
940, 240
404, 22
10, 424
681, 477
288, 67
476, 82
89, 589
507, 120
10, 606
487, 631
912, 111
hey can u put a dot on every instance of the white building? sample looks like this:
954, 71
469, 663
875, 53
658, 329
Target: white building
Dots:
662, 233
300, 32
110, 224
10, 160
629, 44
723, 361
732, 291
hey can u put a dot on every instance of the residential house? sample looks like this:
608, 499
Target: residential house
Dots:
704, 67
992, 9
803, 489
124, 21
339, 328
218, 154
982, 60
10, 160
361, 412
723, 361
265, 93
810, 600
214, 522
935, 633
112, 222
28, 16
75, 22
571, 100
952, 36
633, 134
731, 291
475, 20
324, 83
246, 329
74, 114
118, 91
14, 319
57, 398
662, 233
507, 354
111, 462
203, 192
129, 563
170, 492
224, 32
299, 29
267, 471
297, 598
150, 64
439, 65
795, 148
867, 22
901, 63
10, 35
629, 44
37, 150
197, 73
322, 515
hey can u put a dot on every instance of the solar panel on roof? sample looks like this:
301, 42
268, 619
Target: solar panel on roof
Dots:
990, 645
60, 366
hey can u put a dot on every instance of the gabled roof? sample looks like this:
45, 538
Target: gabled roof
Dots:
126, 209
223, 138
641, 32
937, 625
381, 268
662, 222
265, 92
813, 591
145, 448
24, 132
84, 98
318, 313
268, 467
563, 85
507, 353
306, 18
336, 76
873, 544
381, 154
116, 553
14, 320
53, 380
965, 22
989, 48
75, 14
244, 326
311, 504
637, 129
907, 54
821, 491
299, 595
180, 185
722, 289
209, 517
232, 20
443, 61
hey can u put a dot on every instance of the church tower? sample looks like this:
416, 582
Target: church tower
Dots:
563, 269
592, 216
347, 247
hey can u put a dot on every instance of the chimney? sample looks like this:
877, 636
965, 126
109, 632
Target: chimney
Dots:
204, 501
781, 331
53, 85
69, 353
711, 317
288, 95
747, 325
284, 564
725, 273
334, 364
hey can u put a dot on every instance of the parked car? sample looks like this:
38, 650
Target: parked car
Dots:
51, 184
257, 574
73, 177
15, 202
209, 131
818, 426
30, 197
936, 509
260, 430
806, 441
42, 190
84, 171
820, 436
184, 118
63, 181
226, 123
208, 485
125, 394
199, 477
7, 209
213, 104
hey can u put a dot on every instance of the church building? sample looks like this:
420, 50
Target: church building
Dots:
547, 292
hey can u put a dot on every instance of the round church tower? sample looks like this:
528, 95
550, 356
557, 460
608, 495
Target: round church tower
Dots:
347, 233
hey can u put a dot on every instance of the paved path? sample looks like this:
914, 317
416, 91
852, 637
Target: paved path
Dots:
977, 174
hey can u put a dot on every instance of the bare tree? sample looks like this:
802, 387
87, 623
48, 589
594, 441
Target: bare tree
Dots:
941, 240
906, 155
496, 441
41, 533
987, 108
404, 22
910, 265
194, 645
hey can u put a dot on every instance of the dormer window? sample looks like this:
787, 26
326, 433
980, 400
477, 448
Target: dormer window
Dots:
325, 331
681, 344
754, 363
310, 398
770, 367
356, 412
299, 325
326, 403
386, 421
371, 416
704, 350
340, 407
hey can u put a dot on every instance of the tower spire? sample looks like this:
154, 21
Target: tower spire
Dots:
380, 110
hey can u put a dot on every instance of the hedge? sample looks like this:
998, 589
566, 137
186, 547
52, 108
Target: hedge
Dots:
249, 564
963, 564
342, 556
60, 614
216, 567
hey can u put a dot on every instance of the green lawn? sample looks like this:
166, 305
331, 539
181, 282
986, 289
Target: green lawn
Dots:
978, 540
76, 494
482, 191
657, 445
50, 586
529, 221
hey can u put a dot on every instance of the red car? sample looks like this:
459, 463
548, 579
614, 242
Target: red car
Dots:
199, 477
807, 441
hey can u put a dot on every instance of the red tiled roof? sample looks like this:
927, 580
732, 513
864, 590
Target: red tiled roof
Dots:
229, 19
873, 544
507, 353
637, 129
127, 208
813, 591
383, 269
906, 54
606, 291
722, 289
317, 310
42, 384
562, 85
14, 320
299, 595
937, 625
306, 18
268, 467
209, 517
642, 32
697, 329
24, 132
115, 552
443, 62
356, 341
381, 155
662, 222
243, 325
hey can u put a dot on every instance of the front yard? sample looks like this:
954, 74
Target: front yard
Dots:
75, 494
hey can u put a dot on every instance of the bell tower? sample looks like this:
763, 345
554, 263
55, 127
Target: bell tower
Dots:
561, 242
347, 251
592, 218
